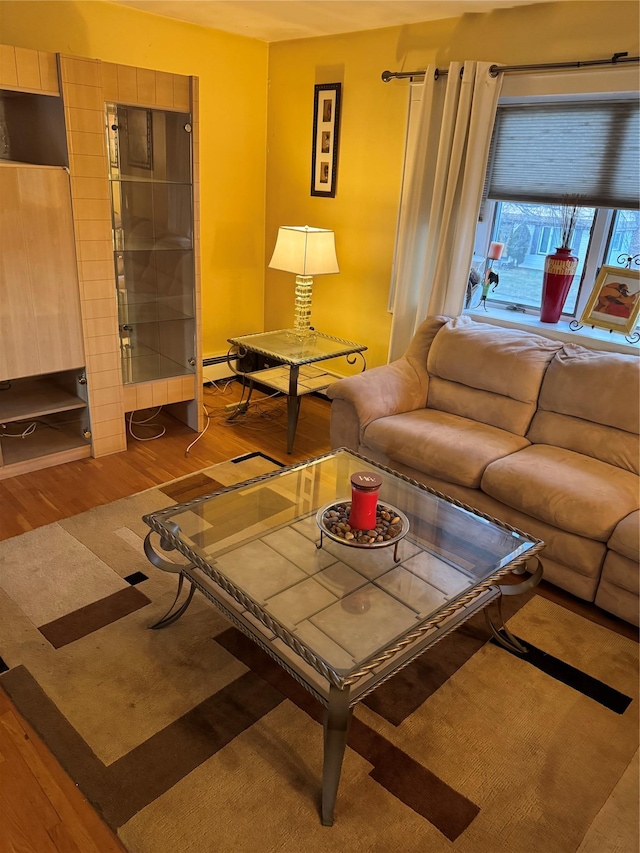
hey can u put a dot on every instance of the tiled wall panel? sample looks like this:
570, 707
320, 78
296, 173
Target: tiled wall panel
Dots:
28, 70
84, 114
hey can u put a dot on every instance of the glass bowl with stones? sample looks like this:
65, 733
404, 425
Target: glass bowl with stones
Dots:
390, 527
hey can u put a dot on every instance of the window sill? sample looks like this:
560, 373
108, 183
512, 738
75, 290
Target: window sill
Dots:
586, 337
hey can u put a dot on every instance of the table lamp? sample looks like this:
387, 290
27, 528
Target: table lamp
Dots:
306, 252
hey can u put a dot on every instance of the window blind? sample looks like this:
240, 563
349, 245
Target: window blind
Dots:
544, 152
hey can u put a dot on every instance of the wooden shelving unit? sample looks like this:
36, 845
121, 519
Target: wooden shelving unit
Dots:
60, 277
33, 398
44, 420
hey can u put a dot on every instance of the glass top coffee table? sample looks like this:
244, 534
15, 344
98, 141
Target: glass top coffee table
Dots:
340, 619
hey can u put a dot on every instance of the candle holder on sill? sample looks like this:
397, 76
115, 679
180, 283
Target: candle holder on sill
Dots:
491, 278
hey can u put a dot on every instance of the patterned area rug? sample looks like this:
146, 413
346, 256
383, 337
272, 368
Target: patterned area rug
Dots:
192, 740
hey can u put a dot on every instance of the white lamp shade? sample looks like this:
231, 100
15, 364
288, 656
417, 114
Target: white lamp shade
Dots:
305, 251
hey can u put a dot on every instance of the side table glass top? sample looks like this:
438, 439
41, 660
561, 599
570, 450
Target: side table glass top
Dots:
345, 606
291, 347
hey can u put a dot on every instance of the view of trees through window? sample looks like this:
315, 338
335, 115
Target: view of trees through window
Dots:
529, 232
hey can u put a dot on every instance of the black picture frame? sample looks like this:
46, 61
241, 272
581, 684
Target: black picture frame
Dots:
326, 136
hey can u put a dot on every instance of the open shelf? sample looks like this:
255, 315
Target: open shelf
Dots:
34, 129
50, 437
36, 397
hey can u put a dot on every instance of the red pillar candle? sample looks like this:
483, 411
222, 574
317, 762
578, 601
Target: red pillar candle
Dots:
495, 251
365, 487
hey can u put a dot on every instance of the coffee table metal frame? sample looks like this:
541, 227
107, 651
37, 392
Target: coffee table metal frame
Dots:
344, 692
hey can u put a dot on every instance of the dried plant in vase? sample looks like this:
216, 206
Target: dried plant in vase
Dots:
560, 267
568, 217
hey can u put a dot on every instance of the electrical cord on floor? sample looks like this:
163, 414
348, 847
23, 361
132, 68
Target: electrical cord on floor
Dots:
145, 421
212, 387
200, 434
29, 430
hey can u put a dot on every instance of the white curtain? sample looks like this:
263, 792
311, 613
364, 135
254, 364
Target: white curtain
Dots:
442, 193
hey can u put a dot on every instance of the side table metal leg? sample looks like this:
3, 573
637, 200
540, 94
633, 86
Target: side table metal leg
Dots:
337, 717
293, 406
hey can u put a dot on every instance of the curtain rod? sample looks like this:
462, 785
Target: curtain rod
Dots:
494, 70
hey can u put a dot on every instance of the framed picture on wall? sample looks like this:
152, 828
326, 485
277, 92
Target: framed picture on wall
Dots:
326, 129
614, 303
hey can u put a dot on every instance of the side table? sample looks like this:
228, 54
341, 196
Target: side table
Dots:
295, 373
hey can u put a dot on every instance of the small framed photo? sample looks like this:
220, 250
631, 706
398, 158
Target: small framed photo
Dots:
326, 128
614, 303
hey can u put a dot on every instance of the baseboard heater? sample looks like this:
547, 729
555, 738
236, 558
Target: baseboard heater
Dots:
218, 359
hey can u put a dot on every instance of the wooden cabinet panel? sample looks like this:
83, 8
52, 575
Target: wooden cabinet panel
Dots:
40, 309
18, 353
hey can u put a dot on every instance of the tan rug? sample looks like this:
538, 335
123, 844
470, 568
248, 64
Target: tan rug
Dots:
190, 739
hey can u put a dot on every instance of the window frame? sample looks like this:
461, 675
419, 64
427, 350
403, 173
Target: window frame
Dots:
540, 87
598, 244
613, 81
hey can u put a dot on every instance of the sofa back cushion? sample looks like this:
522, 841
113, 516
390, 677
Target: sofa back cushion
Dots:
488, 373
589, 403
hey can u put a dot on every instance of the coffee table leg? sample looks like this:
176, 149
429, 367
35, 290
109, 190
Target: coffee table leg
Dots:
337, 717
500, 632
172, 615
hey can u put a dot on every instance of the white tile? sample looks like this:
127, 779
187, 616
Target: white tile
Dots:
437, 573
324, 647
259, 570
412, 591
370, 562
299, 602
340, 579
299, 550
365, 622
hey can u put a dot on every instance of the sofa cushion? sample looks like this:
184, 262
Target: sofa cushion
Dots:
625, 539
597, 386
566, 489
488, 373
569, 561
442, 445
614, 446
589, 403
482, 406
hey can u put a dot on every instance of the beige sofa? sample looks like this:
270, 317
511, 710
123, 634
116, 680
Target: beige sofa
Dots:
539, 434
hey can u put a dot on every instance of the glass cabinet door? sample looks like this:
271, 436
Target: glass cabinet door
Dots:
152, 216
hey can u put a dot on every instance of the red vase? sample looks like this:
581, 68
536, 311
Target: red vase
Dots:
559, 270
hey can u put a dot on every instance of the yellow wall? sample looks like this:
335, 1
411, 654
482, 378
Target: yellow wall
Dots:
233, 75
353, 304
239, 218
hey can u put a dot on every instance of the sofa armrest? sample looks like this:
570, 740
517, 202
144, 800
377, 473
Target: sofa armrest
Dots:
400, 386
387, 390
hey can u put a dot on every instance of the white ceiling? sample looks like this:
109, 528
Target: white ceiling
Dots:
280, 20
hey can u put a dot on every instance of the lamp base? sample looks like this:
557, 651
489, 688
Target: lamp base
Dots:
302, 311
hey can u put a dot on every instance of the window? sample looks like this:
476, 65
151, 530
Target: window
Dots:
540, 154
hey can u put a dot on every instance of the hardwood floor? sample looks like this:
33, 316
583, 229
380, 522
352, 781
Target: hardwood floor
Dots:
41, 810
42, 497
